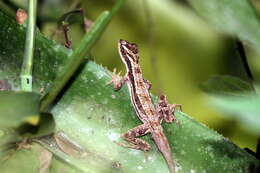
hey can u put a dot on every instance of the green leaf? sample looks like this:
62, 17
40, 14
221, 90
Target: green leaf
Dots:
91, 116
15, 107
74, 155
23, 160
236, 17
7, 137
96, 116
71, 17
227, 86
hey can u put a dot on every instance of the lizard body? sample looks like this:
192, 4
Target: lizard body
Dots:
151, 116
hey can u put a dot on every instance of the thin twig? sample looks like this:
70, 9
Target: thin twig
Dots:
242, 54
79, 54
258, 149
251, 80
26, 71
68, 42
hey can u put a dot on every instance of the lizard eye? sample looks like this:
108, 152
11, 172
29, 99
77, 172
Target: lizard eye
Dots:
129, 49
133, 47
123, 42
130, 46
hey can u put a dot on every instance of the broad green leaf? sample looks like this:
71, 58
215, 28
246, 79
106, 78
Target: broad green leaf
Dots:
227, 86
91, 116
235, 17
96, 117
15, 107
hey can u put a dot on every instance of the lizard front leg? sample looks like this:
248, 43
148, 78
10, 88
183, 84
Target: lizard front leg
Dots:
136, 143
117, 80
166, 110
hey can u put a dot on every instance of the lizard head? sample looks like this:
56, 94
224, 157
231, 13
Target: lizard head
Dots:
128, 51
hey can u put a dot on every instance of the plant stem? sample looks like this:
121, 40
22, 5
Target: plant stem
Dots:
26, 72
79, 54
242, 54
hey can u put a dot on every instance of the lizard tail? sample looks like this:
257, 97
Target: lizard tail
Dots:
164, 147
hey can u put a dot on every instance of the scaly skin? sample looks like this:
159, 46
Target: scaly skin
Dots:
151, 116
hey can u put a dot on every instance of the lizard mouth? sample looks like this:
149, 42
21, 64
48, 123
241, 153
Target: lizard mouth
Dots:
132, 47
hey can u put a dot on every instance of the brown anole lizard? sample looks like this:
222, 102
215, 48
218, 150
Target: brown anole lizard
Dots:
151, 116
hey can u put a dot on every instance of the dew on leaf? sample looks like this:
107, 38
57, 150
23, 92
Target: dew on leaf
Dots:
139, 167
2, 133
113, 136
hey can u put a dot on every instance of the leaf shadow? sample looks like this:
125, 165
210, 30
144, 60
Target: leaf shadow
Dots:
224, 148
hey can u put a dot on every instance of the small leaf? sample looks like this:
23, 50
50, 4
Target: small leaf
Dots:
235, 17
227, 86
71, 17
15, 107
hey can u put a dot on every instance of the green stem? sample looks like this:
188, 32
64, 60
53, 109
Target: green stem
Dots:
116, 7
79, 54
26, 72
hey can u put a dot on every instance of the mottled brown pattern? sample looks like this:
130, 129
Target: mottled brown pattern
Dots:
146, 99
143, 105
137, 70
139, 84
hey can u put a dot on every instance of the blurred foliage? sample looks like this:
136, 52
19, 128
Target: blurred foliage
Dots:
237, 18
90, 116
181, 39
237, 98
227, 86
172, 40
246, 110
14, 106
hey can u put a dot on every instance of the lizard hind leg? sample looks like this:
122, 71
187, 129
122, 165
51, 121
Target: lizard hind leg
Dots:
166, 110
136, 143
